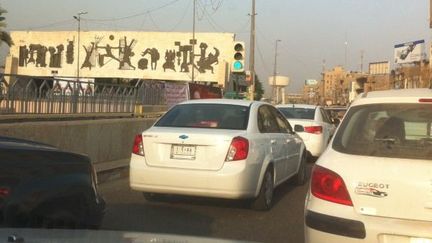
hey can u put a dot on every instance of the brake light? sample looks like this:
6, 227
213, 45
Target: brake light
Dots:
425, 100
238, 149
329, 186
138, 147
4, 192
313, 129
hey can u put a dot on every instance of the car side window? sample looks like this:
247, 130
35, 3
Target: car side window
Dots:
266, 121
325, 117
284, 126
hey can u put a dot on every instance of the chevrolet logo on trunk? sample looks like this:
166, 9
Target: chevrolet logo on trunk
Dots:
183, 136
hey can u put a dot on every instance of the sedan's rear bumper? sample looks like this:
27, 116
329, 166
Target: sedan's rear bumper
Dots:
235, 180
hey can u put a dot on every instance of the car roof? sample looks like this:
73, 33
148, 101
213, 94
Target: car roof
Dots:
307, 106
222, 101
393, 96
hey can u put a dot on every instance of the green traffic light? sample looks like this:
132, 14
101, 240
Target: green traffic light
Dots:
238, 65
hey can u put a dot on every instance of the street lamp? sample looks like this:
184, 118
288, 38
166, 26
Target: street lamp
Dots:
78, 18
275, 69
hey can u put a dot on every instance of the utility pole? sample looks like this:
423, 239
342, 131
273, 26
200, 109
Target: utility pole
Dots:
252, 51
193, 42
78, 44
275, 91
361, 60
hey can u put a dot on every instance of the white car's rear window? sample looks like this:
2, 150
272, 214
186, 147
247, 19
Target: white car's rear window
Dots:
217, 116
298, 113
387, 130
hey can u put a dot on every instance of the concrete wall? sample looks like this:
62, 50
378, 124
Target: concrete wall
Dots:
108, 142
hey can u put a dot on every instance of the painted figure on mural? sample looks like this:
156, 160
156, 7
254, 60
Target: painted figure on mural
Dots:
41, 56
70, 52
170, 56
23, 56
32, 52
88, 58
125, 54
184, 56
154, 58
206, 62
55, 56
108, 54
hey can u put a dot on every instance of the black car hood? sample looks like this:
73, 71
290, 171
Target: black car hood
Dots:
80, 236
16, 143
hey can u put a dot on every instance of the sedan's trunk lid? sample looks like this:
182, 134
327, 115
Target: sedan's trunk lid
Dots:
187, 148
388, 187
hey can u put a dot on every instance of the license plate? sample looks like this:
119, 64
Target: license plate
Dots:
183, 152
420, 240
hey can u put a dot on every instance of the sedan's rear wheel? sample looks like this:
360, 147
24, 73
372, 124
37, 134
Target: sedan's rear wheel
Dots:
264, 201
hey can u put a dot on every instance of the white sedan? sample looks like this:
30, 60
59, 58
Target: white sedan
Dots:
312, 124
374, 182
220, 148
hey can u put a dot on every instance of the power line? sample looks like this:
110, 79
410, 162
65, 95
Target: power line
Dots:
154, 23
210, 19
262, 58
69, 21
183, 17
207, 17
138, 14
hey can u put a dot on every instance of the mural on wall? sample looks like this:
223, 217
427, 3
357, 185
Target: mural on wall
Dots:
121, 52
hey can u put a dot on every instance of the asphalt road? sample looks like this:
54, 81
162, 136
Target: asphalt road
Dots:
127, 210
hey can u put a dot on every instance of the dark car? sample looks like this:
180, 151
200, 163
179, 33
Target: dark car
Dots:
42, 186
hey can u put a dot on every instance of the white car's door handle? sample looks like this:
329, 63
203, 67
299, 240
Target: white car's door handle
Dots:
273, 141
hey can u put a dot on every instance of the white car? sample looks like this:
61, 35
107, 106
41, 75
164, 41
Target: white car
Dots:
312, 124
220, 148
374, 182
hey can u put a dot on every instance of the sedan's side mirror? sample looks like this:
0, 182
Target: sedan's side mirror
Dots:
298, 128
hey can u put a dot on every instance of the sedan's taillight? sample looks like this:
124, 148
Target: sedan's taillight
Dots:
4, 192
138, 147
329, 186
313, 129
238, 149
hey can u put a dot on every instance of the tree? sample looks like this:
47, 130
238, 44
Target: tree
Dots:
4, 36
258, 89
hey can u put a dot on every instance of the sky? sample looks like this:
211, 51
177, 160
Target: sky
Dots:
310, 30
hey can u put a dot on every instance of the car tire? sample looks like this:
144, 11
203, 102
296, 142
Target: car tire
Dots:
264, 201
152, 197
301, 176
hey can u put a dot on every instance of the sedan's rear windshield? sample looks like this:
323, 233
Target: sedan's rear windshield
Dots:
298, 113
387, 130
217, 116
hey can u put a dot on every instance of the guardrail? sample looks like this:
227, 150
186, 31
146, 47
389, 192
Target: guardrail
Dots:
30, 95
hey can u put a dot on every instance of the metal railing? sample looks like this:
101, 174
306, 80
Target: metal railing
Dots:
30, 95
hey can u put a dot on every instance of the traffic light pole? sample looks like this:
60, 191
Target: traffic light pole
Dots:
252, 51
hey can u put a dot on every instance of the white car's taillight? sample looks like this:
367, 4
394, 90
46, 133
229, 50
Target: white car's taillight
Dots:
329, 186
138, 147
313, 129
238, 149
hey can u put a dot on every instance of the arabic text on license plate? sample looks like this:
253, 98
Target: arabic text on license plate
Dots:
183, 152
420, 240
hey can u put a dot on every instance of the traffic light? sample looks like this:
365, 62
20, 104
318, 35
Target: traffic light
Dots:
238, 62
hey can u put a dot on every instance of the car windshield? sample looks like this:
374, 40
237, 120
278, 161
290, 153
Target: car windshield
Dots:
298, 113
217, 116
387, 130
